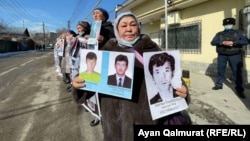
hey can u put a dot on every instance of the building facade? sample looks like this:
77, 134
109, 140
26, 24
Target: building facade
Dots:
191, 26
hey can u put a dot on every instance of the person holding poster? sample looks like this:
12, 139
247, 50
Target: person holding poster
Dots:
127, 113
83, 29
106, 32
120, 115
58, 52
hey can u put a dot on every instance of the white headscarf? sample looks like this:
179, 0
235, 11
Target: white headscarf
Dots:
122, 41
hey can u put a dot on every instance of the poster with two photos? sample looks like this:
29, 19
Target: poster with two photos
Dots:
100, 70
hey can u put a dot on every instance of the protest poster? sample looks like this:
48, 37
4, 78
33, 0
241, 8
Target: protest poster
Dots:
60, 47
94, 33
92, 103
100, 70
163, 75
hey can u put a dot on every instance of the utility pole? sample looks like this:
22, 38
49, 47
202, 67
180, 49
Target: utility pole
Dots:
44, 37
166, 23
117, 8
23, 25
68, 24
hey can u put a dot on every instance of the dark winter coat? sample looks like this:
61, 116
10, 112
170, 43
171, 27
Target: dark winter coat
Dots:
107, 31
119, 115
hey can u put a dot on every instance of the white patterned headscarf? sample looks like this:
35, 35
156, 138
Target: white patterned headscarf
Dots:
118, 38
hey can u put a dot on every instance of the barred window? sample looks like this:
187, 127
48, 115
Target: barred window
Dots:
186, 38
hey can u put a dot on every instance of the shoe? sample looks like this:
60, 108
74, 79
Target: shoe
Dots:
94, 122
66, 81
69, 89
241, 94
60, 74
217, 87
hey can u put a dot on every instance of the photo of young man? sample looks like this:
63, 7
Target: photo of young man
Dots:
90, 74
120, 78
161, 67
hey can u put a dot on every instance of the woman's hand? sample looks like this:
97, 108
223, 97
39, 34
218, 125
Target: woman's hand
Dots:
182, 91
100, 38
78, 83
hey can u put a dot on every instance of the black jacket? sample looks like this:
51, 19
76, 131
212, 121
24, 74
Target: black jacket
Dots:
107, 31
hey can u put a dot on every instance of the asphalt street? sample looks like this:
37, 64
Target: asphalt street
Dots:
34, 104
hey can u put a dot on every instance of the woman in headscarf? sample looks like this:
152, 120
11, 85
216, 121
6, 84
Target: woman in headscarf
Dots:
83, 29
120, 115
106, 32
66, 60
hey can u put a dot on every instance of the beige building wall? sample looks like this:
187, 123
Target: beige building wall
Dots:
210, 14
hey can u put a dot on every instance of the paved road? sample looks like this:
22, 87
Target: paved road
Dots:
34, 105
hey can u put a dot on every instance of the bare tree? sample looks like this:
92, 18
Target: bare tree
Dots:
61, 30
2, 25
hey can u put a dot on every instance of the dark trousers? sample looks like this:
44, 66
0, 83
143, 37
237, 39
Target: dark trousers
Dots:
235, 63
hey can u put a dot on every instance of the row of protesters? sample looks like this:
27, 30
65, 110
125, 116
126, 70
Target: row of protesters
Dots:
106, 33
62, 55
120, 115
72, 54
70, 59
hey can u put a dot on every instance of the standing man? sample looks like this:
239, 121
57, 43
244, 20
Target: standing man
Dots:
229, 44
120, 78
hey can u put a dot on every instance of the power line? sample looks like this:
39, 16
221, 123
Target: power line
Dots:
14, 11
93, 9
20, 9
79, 6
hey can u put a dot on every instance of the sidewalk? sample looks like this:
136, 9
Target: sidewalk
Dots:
7, 54
217, 106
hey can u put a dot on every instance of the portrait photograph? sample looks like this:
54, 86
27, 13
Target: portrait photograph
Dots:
90, 65
60, 47
120, 72
162, 75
